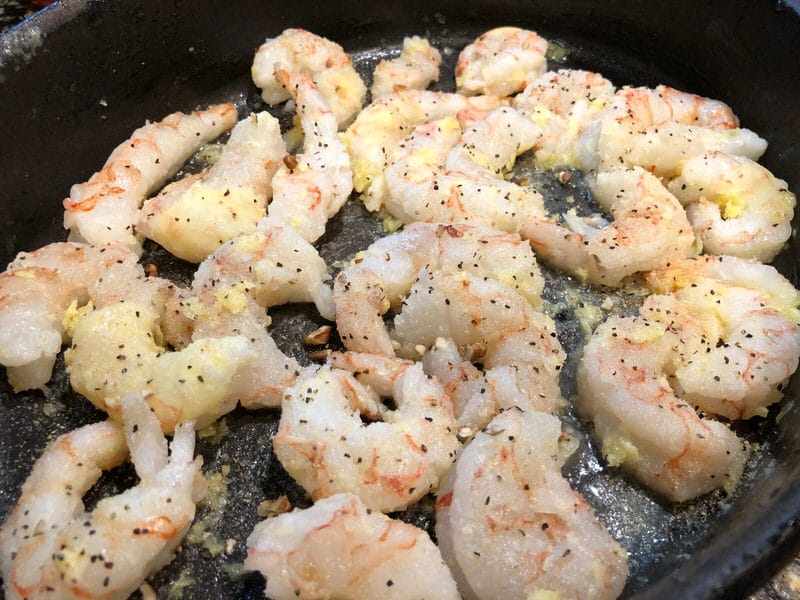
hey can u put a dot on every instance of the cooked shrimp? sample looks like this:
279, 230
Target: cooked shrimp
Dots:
385, 272
624, 387
372, 138
435, 178
319, 181
194, 216
52, 547
117, 349
275, 264
389, 464
734, 354
501, 62
339, 548
649, 230
736, 206
659, 129
777, 291
509, 526
415, 68
105, 209
301, 52
35, 294
564, 104
230, 310
516, 344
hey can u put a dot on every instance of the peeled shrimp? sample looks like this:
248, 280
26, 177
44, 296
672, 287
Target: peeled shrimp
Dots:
105, 209
509, 526
516, 344
276, 265
564, 104
624, 387
737, 207
118, 348
649, 230
385, 272
52, 547
311, 187
35, 294
339, 548
777, 291
301, 52
389, 464
194, 216
439, 177
415, 68
372, 138
501, 62
659, 129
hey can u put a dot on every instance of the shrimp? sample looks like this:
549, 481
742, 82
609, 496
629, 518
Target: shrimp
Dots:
194, 216
339, 548
105, 209
737, 206
276, 265
564, 103
385, 272
659, 129
301, 52
310, 188
501, 62
52, 547
389, 464
415, 68
438, 176
516, 344
734, 353
509, 526
372, 138
230, 310
35, 294
117, 349
777, 291
642, 425
650, 229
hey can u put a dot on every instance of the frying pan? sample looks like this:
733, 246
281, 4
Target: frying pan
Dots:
81, 75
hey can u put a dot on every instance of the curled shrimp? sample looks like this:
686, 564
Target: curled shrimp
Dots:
35, 295
301, 52
564, 104
643, 426
737, 207
505, 497
319, 181
372, 138
440, 175
118, 348
389, 464
658, 129
105, 209
194, 216
384, 273
516, 345
415, 68
52, 547
777, 291
501, 62
274, 263
650, 229
735, 352
355, 552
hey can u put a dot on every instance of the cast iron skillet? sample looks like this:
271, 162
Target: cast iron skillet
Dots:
79, 77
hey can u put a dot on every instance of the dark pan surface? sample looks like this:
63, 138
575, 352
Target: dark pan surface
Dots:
65, 110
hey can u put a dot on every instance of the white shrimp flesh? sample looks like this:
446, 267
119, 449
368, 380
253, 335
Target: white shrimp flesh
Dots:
415, 68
